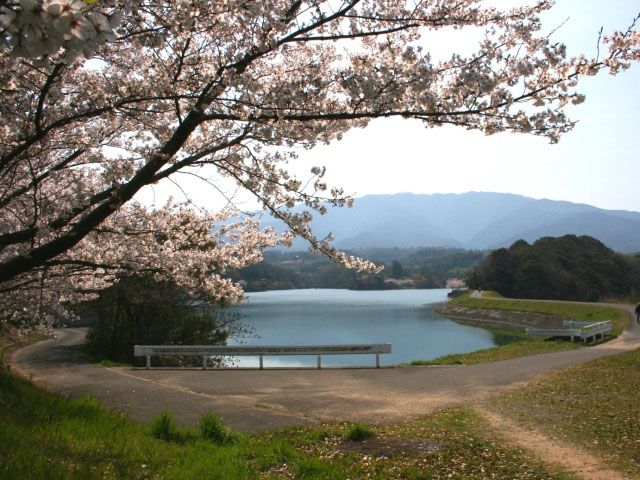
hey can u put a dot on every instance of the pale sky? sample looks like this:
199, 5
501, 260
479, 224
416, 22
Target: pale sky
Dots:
597, 163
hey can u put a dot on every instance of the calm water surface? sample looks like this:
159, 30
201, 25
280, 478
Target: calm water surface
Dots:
404, 318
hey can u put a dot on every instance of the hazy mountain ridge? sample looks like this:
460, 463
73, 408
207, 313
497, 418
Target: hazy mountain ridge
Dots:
474, 220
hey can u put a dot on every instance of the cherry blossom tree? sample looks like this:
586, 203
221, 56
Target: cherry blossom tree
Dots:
235, 87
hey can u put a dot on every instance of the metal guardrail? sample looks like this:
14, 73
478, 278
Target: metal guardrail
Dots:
577, 323
576, 329
207, 351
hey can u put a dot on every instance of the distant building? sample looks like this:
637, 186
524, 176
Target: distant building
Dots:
456, 284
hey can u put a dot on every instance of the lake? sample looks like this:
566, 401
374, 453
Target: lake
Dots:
404, 318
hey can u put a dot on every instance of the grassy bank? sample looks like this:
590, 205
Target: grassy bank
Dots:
517, 348
523, 345
11, 338
568, 310
105, 362
44, 435
491, 294
595, 405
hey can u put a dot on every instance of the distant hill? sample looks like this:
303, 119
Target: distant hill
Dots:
474, 220
566, 268
404, 268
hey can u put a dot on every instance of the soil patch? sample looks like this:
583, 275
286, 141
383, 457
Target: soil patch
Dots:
502, 318
386, 447
572, 458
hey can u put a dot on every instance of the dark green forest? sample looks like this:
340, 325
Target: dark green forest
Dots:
563, 268
404, 268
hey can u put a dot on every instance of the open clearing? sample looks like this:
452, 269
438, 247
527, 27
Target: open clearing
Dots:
253, 400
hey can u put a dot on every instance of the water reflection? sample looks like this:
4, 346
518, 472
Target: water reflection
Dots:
404, 318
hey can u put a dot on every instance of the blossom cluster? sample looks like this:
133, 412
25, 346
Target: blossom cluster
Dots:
35, 28
194, 249
232, 90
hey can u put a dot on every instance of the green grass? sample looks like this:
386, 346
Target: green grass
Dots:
567, 310
595, 405
457, 444
10, 338
491, 294
359, 433
105, 362
519, 348
46, 436
523, 345
212, 428
164, 427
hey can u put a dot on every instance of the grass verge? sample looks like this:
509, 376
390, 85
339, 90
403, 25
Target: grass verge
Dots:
595, 405
105, 362
44, 435
359, 433
518, 348
523, 345
455, 443
491, 294
568, 310
11, 338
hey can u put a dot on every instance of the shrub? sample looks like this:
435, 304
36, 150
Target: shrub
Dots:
319, 435
139, 310
212, 428
164, 427
359, 432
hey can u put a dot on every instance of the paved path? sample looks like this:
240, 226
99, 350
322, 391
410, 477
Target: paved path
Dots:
256, 400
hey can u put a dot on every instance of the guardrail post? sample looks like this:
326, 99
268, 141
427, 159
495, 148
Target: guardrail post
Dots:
204, 362
377, 360
261, 362
319, 363
148, 361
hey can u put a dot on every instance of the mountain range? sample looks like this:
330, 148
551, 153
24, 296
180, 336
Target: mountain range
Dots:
474, 220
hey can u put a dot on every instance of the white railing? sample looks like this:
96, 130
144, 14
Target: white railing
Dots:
575, 329
207, 351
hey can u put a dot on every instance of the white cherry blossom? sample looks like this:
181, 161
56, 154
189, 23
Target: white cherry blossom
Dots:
237, 86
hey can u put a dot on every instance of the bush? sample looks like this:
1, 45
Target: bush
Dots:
141, 311
319, 435
212, 428
359, 432
164, 427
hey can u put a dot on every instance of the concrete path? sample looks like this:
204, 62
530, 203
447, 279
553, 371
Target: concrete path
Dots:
255, 400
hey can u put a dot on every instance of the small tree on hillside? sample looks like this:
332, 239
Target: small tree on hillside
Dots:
397, 270
139, 310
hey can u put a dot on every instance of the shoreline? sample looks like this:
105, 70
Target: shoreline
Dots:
486, 317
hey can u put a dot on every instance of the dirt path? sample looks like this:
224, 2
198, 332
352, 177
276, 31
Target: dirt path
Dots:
575, 460
256, 400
